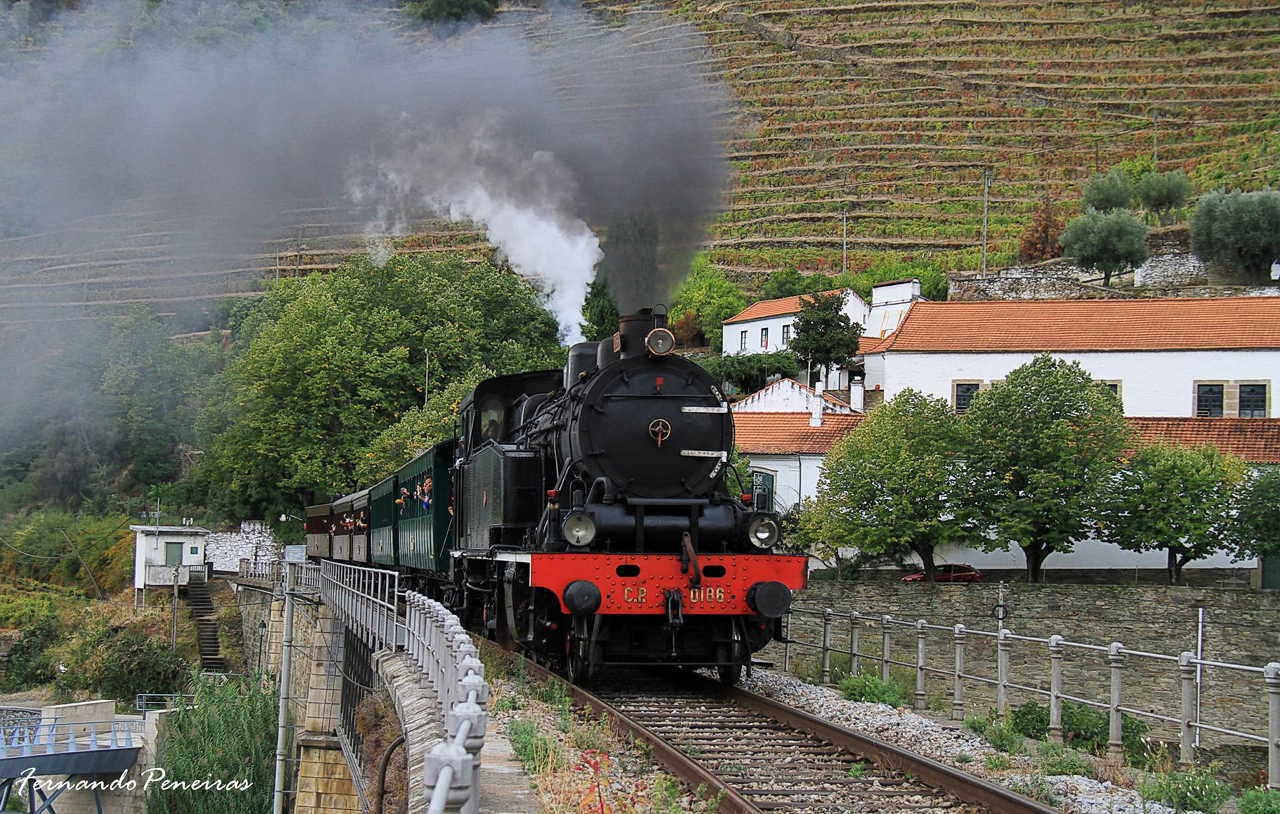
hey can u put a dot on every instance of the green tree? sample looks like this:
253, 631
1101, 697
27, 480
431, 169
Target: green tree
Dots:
1162, 192
1109, 242
890, 487
440, 10
1239, 231
824, 336
337, 359
1177, 499
1258, 522
599, 312
747, 373
709, 297
1042, 447
787, 283
1108, 191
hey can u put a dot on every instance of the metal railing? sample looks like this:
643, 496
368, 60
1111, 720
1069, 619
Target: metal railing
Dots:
260, 571
1116, 657
436, 642
153, 701
26, 739
365, 600
307, 577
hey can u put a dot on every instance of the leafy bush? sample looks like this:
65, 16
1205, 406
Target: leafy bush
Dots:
436, 10
1108, 191
1058, 759
1040, 240
229, 733
1163, 192
748, 373
1196, 790
120, 663
872, 690
1107, 242
29, 660
1037, 788
1002, 736
1238, 230
996, 763
1030, 719
1259, 801
710, 297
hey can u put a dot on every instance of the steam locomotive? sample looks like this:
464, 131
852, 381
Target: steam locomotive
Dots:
584, 514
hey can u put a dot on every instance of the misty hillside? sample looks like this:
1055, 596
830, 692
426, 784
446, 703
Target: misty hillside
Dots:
871, 119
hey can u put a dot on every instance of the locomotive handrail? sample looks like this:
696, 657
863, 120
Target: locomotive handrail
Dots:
1185, 669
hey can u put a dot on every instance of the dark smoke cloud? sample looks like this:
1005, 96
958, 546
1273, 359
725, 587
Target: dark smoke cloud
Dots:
210, 120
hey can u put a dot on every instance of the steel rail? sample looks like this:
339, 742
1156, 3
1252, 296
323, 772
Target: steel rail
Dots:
963, 786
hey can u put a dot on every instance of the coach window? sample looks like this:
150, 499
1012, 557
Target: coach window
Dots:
962, 394
742, 341
491, 420
1209, 400
1253, 401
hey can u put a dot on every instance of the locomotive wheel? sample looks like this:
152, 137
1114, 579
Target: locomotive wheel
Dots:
730, 674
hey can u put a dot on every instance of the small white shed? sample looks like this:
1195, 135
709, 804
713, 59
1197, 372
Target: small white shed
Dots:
163, 553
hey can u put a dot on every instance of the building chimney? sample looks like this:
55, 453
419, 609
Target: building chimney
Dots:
815, 409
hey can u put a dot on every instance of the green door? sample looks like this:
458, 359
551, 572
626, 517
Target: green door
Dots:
173, 553
1271, 572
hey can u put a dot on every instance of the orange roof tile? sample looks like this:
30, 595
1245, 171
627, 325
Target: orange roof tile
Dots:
1088, 325
872, 344
1256, 440
790, 433
774, 308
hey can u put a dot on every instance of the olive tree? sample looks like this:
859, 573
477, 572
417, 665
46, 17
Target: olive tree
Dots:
1042, 448
1108, 191
1109, 243
1180, 500
1238, 230
1162, 192
889, 488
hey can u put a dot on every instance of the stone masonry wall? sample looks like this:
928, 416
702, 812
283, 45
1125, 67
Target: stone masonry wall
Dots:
1238, 626
253, 541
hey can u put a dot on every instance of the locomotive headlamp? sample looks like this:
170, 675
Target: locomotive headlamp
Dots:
660, 342
579, 529
763, 531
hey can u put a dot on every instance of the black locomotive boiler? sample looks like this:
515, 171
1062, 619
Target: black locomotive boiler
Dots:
589, 515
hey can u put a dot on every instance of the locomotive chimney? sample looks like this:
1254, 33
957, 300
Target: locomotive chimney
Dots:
815, 406
632, 329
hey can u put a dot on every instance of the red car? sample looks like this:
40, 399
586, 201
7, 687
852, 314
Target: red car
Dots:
948, 573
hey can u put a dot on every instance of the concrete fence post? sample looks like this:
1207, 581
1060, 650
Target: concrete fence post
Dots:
1002, 672
920, 645
855, 631
1187, 720
886, 645
957, 676
826, 646
1115, 740
1055, 688
1271, 673
786, 643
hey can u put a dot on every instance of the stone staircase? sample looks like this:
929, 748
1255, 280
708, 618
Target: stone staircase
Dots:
206, 618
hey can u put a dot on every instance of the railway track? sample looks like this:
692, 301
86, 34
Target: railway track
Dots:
761, 756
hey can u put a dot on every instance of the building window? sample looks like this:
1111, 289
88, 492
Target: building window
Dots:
964, 392
786, 335
1209, 400
1253, 401
742, 341
195, 550
764, 337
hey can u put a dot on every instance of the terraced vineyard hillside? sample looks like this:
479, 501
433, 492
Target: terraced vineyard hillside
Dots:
859, 129
881, 117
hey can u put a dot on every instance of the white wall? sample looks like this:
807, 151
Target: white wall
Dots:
148, 549
795, 476
889, 302
785, 396
1152, 383
731, 341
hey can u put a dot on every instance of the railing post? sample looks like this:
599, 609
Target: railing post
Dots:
1115, 739
1271, 674
920, 645
886, 645
826, 646
855, 633
1055, 688
1186, 724
957, 677
786, 643
1002, 672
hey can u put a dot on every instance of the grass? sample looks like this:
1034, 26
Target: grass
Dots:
538, 753
996, 763
1196, 790
858, 771
1037, 788
1056, 759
